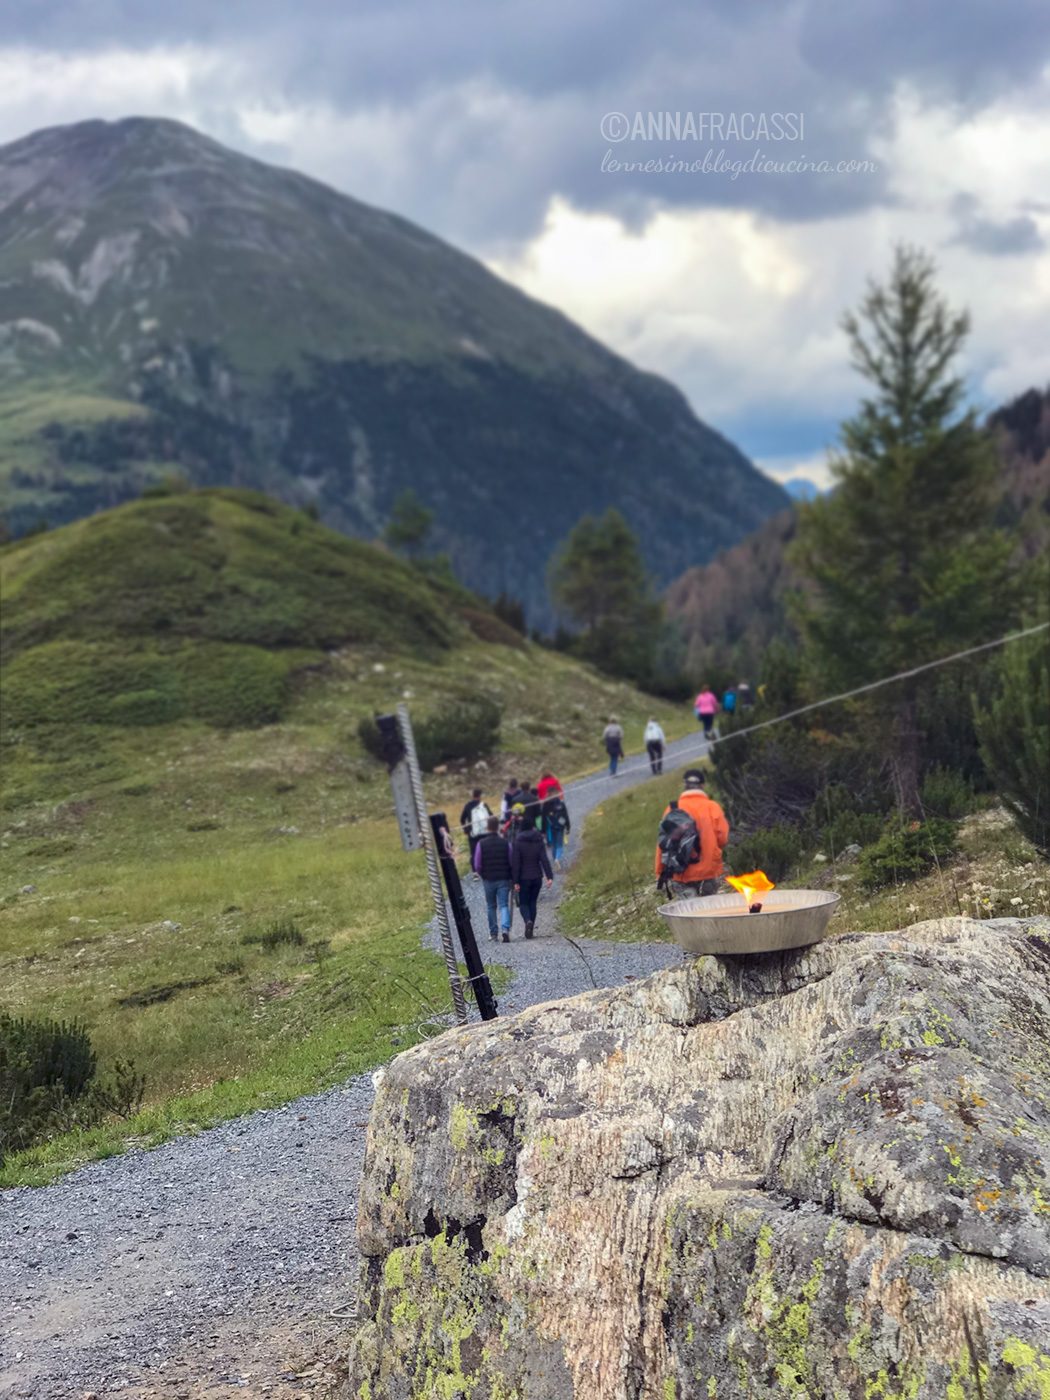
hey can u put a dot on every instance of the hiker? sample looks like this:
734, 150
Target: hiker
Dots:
492, 863
706, 707
729, 700
744, 698
510, 796
693, 834
655, 740
556, 826
474, 819
612, 734
530, 801
547, 786
529, 866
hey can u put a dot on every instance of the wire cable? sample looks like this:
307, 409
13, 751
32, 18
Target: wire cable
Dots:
684, 747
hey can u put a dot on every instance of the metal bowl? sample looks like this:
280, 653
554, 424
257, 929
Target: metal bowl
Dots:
721, 923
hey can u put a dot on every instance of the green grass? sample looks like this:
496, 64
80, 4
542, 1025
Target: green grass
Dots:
215, 565
218, 1021
611, 889
127, 823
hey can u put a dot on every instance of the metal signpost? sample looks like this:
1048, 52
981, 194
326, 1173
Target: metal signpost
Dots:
406, 781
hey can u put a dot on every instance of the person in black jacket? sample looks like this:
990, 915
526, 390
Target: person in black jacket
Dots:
492, 863
529, 864
530, 800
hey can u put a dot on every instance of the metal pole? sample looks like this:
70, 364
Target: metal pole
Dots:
479, 979
404, 724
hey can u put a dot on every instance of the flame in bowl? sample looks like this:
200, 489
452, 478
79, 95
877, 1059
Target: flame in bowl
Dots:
750, 885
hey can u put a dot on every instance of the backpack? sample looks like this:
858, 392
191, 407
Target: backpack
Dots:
557, 813
479, 820
679, 843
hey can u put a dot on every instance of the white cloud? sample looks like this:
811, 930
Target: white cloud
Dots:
813, 466
42, 88
744, 313
741, 310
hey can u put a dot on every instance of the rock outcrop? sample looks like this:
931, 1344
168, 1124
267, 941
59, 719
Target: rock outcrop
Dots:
814, 1174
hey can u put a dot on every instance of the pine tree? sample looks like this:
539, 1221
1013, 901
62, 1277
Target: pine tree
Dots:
902, 556
409, 524
1014, 734
598, 580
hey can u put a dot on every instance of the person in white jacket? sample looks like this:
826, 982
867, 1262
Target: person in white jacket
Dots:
655, 739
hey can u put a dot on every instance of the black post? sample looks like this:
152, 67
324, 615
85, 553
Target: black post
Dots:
475, 967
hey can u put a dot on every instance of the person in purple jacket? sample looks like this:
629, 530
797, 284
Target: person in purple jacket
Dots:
529, 865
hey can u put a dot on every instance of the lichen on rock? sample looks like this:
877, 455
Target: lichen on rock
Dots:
824, 1173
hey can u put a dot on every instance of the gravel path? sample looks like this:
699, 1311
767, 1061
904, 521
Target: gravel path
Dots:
223, 1264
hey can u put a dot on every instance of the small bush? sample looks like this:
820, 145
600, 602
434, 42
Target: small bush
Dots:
463, 729
906, 852
49, 1083
280, 932
368, 733
946, 793
776, 850
488, 627
851, 829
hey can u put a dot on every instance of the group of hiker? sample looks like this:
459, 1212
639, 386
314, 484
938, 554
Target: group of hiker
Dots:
654, 739
509, 850
515, 850
707, 704
706, 707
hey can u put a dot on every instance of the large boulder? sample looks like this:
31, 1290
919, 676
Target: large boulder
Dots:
824, 1173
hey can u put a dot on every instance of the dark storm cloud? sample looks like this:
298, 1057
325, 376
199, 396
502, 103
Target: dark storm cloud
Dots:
997, 238
494, 107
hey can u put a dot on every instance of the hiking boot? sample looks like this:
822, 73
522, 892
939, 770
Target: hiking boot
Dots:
493, 937
506, 936
529, 926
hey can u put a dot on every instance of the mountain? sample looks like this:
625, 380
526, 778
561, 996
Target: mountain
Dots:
1021, 430
168, 304
731, 609
800, 488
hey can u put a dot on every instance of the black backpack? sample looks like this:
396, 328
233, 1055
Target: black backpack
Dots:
679, 843
556, 812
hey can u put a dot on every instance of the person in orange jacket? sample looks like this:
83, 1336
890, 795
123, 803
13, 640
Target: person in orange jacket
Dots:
701, 877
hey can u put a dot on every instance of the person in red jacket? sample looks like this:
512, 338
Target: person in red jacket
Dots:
548, 786
702, 876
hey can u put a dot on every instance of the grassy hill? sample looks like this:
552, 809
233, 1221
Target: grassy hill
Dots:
199, 858
165, 301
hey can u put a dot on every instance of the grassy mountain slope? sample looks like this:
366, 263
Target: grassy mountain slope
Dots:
166, 302
120, 821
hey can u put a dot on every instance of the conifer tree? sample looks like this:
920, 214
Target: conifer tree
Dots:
904, 561
409, 524
599, 581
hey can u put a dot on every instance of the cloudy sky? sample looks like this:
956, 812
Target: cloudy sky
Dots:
500, 127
